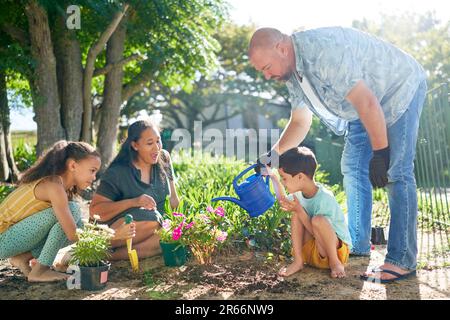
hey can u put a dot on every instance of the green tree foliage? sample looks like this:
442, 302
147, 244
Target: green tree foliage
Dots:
234, 85
166, 41
422, 35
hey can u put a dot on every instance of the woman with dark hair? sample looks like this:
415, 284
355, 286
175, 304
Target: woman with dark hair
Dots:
137, 182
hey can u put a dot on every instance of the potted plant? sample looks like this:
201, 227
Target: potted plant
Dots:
206, 233
90, 253
172, 241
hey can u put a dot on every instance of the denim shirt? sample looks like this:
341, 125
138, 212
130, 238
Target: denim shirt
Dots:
334, 59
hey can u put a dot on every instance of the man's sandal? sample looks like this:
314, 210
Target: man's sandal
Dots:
397, 275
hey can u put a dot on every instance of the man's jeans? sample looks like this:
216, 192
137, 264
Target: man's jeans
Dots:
402, 136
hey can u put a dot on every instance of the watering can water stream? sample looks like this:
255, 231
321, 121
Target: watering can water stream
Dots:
254, 194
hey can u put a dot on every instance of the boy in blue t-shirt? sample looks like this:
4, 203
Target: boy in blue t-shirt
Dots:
319, 232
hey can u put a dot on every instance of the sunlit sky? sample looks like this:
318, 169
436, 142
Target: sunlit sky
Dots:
288, 15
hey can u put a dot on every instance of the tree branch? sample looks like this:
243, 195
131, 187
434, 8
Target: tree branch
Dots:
109, 67
207, 123
135, 85
215, 111
94, 50
175, 117
17, 34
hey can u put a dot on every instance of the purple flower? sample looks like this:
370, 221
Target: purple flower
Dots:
222, 236
220, 211
209, 209
188, 226
166, 224
176, 234
176, 214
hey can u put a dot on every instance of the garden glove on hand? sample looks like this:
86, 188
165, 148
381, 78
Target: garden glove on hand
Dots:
270, 159
378, 167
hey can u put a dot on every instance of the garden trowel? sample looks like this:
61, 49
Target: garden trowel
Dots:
132, 254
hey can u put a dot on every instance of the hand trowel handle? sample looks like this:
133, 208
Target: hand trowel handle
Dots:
128, 220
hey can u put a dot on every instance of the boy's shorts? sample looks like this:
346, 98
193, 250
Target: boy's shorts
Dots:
312, 257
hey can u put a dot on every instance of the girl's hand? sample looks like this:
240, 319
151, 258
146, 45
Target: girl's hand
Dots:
292, 206
125, 231
146, 202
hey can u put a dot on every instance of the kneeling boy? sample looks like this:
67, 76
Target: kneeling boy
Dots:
319, 232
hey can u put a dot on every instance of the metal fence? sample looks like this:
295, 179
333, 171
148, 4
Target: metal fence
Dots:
432, 172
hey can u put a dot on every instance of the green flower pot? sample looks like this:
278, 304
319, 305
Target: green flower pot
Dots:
174, 254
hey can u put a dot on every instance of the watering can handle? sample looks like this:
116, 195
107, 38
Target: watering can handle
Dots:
240, 175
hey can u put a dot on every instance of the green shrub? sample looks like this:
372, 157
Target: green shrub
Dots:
5, 190
24, 155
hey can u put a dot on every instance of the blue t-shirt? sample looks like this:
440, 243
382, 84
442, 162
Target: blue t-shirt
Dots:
325, 204
334, 59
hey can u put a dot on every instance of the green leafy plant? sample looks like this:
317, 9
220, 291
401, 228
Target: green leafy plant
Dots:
5, 190
202, 230
92, 247
172, 228
205, 233
24, 155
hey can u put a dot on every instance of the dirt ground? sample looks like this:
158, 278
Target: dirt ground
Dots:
248, 275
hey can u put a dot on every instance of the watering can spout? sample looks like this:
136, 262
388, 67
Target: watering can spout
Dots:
235, 200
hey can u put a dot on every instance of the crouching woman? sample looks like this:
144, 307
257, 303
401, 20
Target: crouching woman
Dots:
137, 182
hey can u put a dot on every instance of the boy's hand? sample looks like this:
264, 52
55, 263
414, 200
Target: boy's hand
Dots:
292, 206
267, 171
270, 158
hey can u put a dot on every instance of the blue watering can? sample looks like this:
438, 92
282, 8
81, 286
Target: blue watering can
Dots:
254, 194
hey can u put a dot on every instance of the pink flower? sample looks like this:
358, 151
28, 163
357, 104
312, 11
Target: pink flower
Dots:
188, 226
166, 224
222, 236
204, 217
176, 214
176, 234
209, 209
220, 211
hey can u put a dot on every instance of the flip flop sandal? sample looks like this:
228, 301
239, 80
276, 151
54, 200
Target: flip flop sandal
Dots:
397, 275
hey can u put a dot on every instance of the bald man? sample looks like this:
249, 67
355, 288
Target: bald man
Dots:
373, 92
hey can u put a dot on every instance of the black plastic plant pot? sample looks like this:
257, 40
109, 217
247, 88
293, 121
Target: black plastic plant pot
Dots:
94, 278
378, 236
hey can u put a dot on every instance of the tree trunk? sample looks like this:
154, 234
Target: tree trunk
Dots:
8, 168
94, 50
112, 96
46, 103
250, 116
70, 78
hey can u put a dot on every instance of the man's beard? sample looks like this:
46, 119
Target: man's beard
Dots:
285, 77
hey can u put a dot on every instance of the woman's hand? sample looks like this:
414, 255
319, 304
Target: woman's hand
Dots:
125, 231
146, 202
174, 201
292, 206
